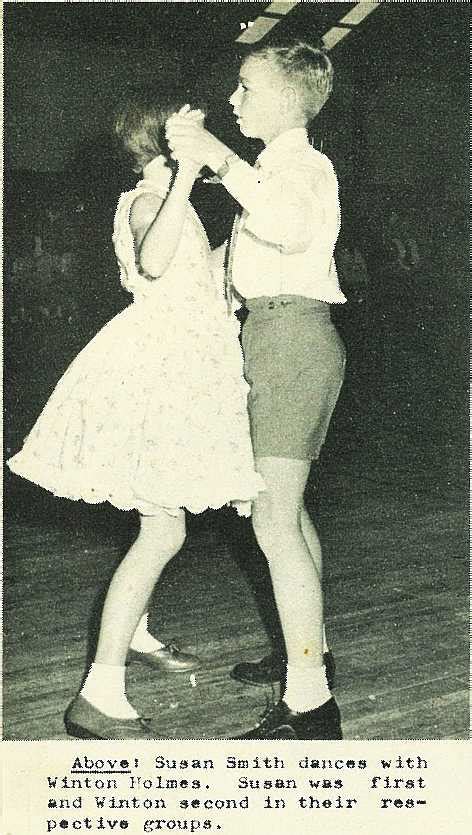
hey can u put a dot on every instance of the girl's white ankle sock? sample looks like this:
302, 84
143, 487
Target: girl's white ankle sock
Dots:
104, 688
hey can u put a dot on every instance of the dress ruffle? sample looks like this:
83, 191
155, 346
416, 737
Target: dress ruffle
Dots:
171, 493
152, 413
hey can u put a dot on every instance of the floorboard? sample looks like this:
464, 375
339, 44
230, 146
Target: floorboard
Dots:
396, 561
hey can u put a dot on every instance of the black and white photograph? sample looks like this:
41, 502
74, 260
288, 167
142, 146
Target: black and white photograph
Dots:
235, 373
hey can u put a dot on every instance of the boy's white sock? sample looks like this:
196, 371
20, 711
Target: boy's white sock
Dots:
306, 688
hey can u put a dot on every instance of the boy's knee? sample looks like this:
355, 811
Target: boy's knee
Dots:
263, 516
273, 514
259, 529
267, 531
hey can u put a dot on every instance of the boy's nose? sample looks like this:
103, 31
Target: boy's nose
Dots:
232, 99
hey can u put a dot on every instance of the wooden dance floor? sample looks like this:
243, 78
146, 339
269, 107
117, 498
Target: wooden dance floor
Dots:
396, 568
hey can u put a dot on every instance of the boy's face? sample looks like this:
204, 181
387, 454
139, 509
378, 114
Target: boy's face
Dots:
258, 101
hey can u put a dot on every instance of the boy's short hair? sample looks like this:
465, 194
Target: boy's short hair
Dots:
306, 66
139, 125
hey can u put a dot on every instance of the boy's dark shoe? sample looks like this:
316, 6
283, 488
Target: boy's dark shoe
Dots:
269, 669
272, 667
282, 723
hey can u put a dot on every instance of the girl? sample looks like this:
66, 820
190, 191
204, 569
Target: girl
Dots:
151, 415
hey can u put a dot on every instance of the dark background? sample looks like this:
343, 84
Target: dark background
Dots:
396, 129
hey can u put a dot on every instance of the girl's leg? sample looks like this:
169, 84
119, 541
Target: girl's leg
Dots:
160, 538
277, 521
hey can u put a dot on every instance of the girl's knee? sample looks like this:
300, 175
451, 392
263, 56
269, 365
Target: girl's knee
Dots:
164, 532
174, 542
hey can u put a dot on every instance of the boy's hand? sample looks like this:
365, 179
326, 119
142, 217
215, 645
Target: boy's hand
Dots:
187, 157
186, 135
187, 112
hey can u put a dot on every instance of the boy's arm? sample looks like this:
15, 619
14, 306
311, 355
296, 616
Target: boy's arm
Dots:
283, 210
287, 209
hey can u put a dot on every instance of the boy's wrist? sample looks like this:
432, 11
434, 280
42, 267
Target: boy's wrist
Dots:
228, 161
219, 155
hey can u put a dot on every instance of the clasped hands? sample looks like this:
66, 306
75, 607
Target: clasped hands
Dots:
189, 142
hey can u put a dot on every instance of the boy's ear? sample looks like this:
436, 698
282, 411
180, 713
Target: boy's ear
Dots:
289, 99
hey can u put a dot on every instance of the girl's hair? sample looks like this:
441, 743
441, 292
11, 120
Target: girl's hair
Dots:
139, 126
308, 67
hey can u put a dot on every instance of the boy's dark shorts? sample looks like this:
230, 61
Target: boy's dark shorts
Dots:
294, 361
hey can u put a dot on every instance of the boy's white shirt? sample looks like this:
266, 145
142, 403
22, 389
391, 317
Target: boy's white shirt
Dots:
289, 224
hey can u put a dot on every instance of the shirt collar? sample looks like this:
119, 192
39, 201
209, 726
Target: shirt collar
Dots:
282, 146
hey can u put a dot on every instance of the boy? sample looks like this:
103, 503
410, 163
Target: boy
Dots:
281, 263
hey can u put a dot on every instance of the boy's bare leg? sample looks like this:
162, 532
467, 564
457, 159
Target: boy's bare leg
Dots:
277, 521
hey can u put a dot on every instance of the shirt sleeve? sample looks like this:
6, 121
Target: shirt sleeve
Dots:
288, 208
